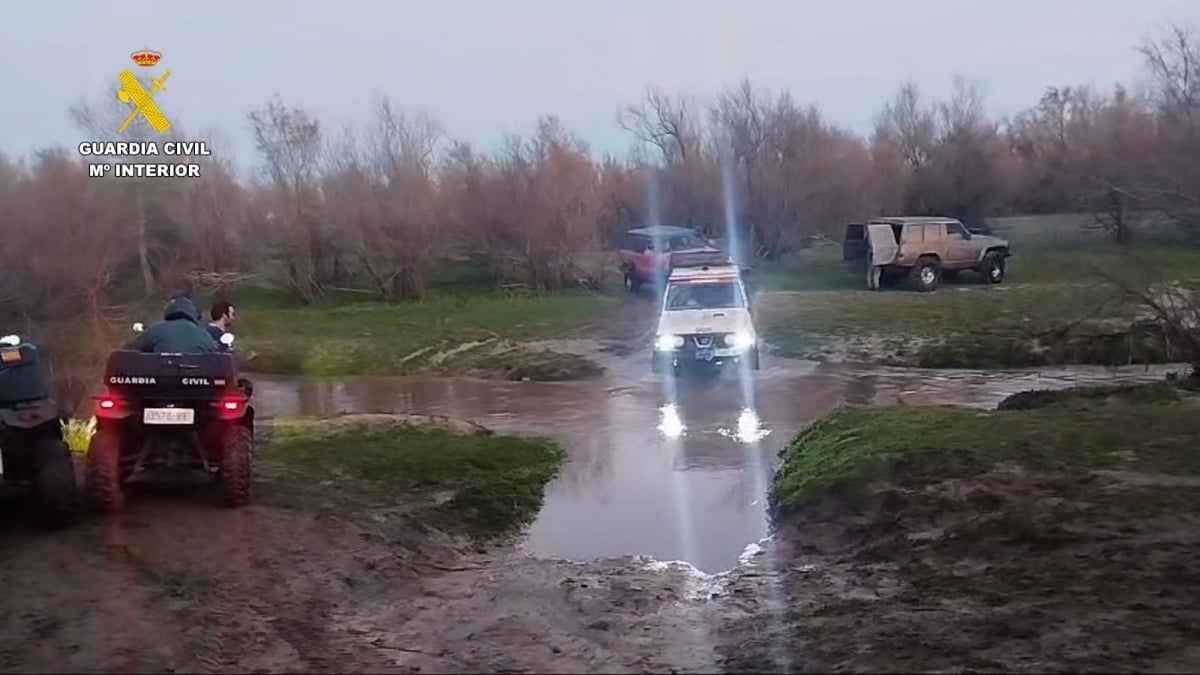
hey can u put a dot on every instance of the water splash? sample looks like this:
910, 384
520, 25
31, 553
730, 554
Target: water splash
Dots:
671, 424
749, 428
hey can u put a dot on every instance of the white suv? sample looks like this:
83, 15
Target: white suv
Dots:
705, 319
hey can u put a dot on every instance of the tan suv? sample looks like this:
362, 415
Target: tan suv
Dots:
923, 249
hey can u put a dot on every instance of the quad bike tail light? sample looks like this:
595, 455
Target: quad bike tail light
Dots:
230, 407
107, 406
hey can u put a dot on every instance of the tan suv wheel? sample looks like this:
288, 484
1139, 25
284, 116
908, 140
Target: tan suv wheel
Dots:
992, 269
926, 274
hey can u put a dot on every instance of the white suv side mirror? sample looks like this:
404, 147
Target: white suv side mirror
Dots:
227, 339
138, 327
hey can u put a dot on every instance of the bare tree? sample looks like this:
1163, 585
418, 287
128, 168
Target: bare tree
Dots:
291, 145
1173, 61
145, 199
673, 128
386, 196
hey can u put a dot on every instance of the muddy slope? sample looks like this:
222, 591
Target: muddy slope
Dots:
1009, 571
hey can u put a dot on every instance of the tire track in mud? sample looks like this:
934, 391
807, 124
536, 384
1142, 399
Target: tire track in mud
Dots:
514, 613
175, 587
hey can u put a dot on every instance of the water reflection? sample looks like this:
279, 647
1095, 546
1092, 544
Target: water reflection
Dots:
671, 425
677, 479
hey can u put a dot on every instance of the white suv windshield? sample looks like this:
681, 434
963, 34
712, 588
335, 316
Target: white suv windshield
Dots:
705, 296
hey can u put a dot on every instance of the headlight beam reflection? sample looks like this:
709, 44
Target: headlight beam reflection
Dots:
670, 424
749, 429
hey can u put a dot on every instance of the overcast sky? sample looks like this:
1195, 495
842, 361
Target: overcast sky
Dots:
486, 68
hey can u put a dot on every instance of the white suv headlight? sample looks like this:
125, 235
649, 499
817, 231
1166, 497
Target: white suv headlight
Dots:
668, 342
740, 340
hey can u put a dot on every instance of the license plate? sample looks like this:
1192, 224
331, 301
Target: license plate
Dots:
168, 416
704, 355
10, 355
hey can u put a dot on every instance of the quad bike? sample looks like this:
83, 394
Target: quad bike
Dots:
165, 413
33, 455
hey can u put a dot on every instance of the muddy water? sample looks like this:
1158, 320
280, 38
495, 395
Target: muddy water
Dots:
675, 471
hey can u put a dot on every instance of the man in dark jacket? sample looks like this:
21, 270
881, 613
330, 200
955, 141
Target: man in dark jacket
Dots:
180, 332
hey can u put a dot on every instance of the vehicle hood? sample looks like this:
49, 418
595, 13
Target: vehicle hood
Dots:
987, 240
685, 321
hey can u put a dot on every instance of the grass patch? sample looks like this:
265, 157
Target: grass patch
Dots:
1165, 392
489, 485
1052, 310
854, 446
999, 541
372, 338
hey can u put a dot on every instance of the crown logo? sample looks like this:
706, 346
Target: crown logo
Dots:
146, 57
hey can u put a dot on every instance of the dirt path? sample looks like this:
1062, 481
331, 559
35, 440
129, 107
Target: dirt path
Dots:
174, 586
927, 576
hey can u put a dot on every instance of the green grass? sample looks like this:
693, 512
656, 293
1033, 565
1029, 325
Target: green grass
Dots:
489, 485
348, 337
1153, 433
980, 529
1054, 308
350, 332
822, 268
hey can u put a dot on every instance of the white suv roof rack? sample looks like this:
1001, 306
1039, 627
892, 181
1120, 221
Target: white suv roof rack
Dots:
714, 273
699, 259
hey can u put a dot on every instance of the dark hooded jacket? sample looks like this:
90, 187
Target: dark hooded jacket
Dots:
180, 332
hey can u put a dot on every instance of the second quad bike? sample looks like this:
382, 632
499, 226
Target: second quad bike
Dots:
33, 455
164, 412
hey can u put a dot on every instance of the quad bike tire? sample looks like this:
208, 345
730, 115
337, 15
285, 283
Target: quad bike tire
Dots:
102, 472
55, 490
233, 476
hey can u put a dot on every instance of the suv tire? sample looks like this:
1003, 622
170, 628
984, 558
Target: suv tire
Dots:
926, 274
754, 364
992, 268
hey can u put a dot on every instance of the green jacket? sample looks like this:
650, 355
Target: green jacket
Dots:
179, 333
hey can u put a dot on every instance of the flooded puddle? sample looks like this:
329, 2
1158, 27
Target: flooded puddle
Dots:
671, 470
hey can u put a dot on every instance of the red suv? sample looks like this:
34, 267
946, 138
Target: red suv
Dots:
646, 252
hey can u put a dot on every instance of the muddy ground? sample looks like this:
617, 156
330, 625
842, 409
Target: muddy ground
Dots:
888, 583
892, 583
1006, 572
176, 587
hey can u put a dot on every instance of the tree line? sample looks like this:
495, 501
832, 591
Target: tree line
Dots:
377, 206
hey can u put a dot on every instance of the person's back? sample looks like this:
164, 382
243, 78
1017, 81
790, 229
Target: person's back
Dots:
179, 333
